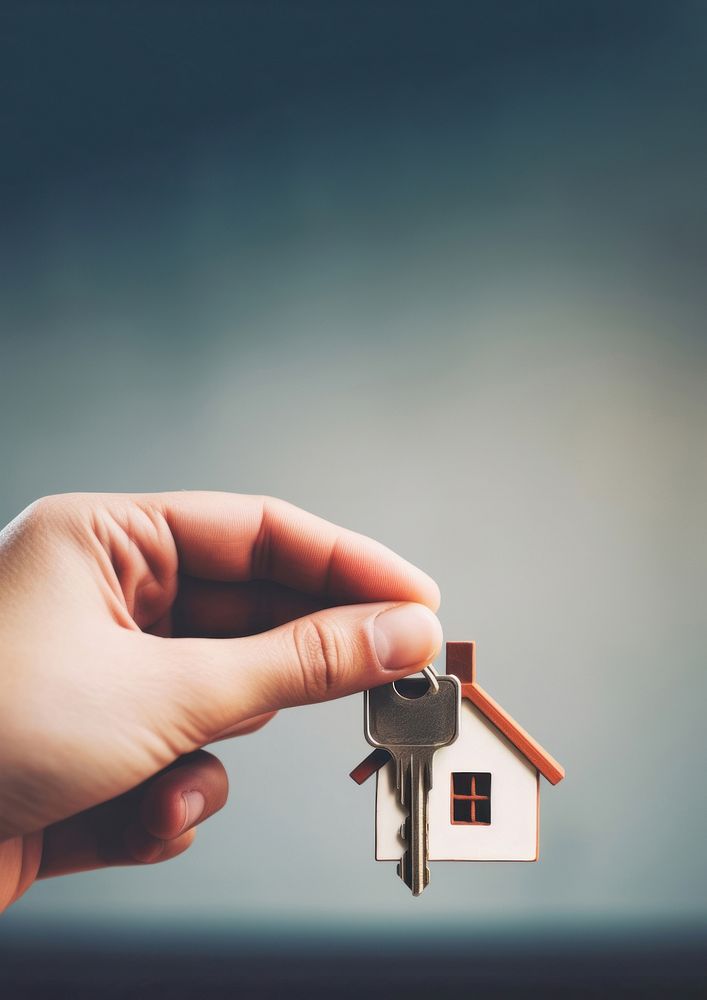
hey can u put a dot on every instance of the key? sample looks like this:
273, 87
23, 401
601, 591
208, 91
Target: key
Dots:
412, 726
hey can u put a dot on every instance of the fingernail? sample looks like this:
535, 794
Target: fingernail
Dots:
406, 635
194, 804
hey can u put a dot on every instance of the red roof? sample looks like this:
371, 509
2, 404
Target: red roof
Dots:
461, 661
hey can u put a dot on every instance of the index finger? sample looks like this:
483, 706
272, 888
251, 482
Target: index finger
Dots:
237, 537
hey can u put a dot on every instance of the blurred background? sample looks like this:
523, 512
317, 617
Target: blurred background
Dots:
436, 272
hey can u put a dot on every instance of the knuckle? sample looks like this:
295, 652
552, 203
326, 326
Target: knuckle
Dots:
42, 510
320, 661
262, 548
35, 523
49, 511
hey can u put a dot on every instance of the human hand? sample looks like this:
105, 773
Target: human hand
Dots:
136, 629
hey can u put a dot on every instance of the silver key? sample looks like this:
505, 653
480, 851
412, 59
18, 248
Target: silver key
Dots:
412, 729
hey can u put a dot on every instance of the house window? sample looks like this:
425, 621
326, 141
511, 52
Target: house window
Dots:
471, 798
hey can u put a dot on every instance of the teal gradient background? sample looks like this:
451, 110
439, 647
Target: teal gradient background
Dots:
436, 272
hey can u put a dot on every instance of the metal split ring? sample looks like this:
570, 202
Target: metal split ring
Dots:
431, 675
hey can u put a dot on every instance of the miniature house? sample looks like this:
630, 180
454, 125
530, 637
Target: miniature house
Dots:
484, 801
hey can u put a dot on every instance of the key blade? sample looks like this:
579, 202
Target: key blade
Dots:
413, 868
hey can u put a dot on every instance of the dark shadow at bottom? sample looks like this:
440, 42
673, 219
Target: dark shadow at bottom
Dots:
630, 968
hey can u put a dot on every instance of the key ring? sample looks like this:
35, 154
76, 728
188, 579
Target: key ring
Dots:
431, 675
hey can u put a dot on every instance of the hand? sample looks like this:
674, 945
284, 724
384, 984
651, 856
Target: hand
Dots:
136, 629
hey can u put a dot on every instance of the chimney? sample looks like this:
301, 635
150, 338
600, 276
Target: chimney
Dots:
461, 661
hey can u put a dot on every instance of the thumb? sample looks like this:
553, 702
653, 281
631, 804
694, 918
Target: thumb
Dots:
325, 655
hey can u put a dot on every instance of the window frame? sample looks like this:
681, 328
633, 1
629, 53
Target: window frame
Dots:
473, 798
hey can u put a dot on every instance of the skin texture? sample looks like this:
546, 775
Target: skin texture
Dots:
134, 630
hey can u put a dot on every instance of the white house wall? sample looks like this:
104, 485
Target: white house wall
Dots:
512, 835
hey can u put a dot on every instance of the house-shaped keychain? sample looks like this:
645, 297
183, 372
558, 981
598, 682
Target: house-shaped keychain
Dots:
484, 804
